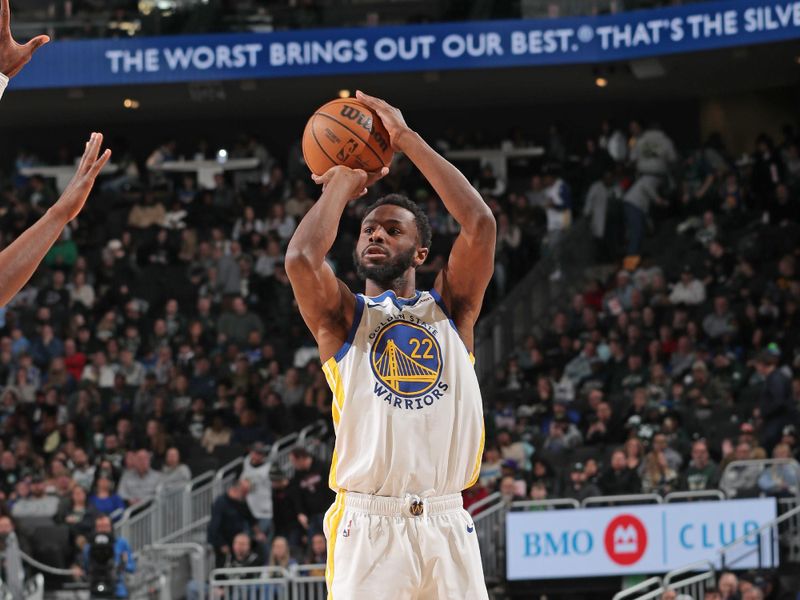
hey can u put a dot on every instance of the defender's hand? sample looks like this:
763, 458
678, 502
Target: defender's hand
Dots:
391, 117
14, 56
77, 191
354, 181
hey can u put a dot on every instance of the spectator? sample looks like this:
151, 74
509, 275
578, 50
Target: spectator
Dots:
577, 487
689, 290
93, 558
237, 325
77, 513
139, 482
511, 490
256, 470
217, 434
280, 554
104, 499
33, 506
309, 492
721, 322
619, 479
775, 405
782, 480
174, 474
230, 516
740, 480
317, 554
82, 470
657, 476
242, 554
729, 586
702, 473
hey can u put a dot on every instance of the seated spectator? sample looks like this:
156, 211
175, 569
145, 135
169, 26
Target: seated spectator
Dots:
563, 436
33, 507
740, 479
657, 476
104, 499
217, 434
242, 555
317, 553
603, 427
82, 470
174, 474
689, 290
721, 322
577, 487
474, 494
78, 514
702, 473
280, 554
619, 479
256, 469
781, 480
139, 482
511, 490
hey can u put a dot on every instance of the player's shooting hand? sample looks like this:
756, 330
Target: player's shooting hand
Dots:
77, 191
391, 117
354, 181
14, 56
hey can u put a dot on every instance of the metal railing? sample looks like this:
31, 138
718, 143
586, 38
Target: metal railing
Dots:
687, 580
197, 553
532, 301
308, 582
554, 503
489, 518
622, 500
701, 495
649, 589
250, 583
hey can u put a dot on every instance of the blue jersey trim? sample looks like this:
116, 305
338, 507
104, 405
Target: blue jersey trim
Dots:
398, 302
357, 314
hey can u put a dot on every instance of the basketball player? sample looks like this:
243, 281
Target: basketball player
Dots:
13, 56
407, 408
19, 260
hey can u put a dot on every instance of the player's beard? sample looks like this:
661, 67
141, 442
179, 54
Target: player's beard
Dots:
389, 271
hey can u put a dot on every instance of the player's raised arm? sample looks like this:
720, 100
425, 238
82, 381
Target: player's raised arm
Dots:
464, 279
14, 56
20, 259
325, 302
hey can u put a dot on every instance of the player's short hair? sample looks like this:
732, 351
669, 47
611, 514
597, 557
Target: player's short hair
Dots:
423, 224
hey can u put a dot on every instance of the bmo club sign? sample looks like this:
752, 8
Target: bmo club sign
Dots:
628, 540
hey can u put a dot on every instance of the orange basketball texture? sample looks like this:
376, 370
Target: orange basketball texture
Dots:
346, 132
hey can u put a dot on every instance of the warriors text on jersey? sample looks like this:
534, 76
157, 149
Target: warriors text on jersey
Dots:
407, 408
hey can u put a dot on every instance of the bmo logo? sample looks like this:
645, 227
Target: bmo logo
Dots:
625, 540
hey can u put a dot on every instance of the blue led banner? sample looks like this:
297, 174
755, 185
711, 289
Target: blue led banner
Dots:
473, 45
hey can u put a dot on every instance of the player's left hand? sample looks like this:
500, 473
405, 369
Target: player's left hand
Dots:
391, 117
14, 56
77, 191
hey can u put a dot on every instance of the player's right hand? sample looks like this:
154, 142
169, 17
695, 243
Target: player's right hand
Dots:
353, 181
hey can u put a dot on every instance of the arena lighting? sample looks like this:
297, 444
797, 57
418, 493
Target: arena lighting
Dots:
601, 82
130, 103
344, 93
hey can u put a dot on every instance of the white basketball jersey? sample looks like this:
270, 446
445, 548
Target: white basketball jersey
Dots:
407, 407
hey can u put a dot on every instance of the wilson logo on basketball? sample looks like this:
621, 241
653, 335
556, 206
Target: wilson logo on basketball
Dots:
365, 121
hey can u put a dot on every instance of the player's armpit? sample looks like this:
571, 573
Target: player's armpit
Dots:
463, 281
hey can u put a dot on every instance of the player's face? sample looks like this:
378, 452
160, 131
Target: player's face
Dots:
387, 245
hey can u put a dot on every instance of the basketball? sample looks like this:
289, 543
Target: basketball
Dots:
346, 132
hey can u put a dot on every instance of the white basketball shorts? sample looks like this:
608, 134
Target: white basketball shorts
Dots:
382, 548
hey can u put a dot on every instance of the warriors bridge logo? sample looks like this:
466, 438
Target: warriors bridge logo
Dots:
407, 363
